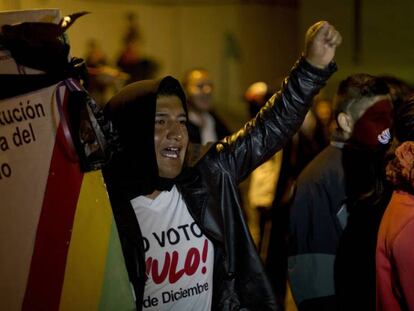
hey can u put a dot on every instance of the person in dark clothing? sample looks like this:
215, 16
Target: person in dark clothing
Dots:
137, 66
204, 125
183, 234
327, 189
368, 194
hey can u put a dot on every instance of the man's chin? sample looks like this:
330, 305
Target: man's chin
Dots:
171, 174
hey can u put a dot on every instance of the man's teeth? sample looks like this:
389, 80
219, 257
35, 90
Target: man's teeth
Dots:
172, 153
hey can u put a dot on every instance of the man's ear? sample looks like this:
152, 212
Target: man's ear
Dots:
345, 122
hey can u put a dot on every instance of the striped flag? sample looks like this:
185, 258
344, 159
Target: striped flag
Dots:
59, 246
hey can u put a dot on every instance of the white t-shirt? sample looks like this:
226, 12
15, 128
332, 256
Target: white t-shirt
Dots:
179, 258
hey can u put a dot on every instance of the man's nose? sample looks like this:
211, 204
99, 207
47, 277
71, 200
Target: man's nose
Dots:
207, 89
176, 131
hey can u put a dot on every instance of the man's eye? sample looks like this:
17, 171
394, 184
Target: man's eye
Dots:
183, 122
160, 121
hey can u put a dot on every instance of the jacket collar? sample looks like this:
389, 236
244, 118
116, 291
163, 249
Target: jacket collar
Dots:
196, 196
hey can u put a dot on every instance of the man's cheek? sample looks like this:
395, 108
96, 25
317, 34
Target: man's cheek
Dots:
372, 123
366, 133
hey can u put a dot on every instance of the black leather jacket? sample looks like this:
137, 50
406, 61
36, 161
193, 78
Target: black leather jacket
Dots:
210, 192
212, 197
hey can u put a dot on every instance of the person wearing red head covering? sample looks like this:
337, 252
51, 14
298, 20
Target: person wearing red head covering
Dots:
395, 251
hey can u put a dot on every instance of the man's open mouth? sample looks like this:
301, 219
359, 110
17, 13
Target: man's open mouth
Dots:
171, 152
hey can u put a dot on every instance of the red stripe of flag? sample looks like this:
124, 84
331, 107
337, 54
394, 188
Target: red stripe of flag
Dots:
54, 230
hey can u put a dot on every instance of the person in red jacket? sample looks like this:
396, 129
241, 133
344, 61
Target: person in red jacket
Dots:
395, 251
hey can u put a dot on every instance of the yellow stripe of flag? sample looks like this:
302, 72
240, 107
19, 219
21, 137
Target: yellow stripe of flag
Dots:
88, 249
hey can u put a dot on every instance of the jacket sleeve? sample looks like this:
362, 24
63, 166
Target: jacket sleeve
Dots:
314, 232
273, 126
403, 256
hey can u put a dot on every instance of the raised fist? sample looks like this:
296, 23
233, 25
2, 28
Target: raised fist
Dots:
320, 44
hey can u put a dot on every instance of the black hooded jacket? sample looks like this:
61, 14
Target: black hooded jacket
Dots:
209, 188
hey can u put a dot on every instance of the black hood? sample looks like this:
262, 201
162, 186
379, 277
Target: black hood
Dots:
134, 169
